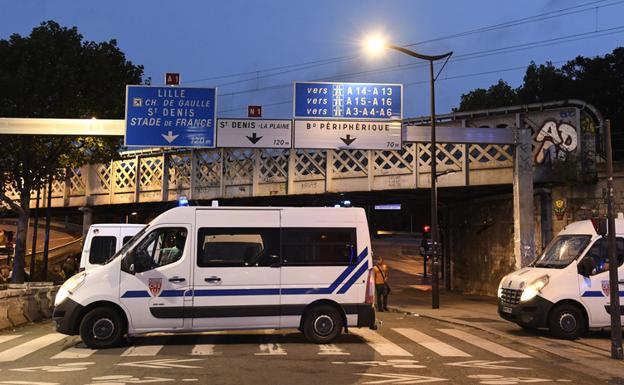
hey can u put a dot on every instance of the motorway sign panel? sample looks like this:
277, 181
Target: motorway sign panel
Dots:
353, 101
255, 133
170, 116
346, 134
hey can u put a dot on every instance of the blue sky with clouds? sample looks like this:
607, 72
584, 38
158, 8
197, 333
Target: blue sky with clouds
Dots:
207, 41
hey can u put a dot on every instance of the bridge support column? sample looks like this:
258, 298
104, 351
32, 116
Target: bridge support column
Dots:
524, 221
87, 220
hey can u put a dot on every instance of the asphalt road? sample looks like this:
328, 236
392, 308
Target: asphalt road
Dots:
405, 350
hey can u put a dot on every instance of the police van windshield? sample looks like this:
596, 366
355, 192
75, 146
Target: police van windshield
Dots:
128, 244
562, 250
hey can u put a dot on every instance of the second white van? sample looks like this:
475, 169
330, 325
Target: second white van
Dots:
105, 239
202, 268
567, 288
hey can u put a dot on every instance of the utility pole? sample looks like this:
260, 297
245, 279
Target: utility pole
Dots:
33, 254
46, 241
614, 283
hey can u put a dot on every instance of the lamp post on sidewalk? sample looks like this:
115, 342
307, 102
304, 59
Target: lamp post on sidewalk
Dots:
376, 45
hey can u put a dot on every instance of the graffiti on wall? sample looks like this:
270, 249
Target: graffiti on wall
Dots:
555, 141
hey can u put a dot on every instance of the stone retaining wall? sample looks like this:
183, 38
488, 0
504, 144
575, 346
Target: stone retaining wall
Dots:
20, 304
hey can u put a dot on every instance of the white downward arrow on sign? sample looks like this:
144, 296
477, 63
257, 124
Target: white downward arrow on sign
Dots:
169, 137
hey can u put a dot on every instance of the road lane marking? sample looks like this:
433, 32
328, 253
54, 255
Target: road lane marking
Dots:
164, 363
8, 338
142, 351
497, 349
382, 345
271, 349
482, 364
19, 351
74, 352
67, 367
436, 346
204, 350
331, 350
397, 378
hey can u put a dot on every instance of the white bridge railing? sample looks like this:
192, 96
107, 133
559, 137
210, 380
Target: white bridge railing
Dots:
154, 176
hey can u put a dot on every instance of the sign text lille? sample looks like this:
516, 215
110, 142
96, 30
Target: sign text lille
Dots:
170, 116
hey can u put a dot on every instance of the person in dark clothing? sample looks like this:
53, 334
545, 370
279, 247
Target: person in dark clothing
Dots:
382, 289
69, 267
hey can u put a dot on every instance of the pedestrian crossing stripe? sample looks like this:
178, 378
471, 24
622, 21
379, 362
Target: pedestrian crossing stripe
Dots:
441, 348
382, 345
490, 346
29, 347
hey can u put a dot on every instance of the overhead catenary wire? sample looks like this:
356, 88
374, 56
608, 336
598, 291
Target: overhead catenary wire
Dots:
585, 7
467, 56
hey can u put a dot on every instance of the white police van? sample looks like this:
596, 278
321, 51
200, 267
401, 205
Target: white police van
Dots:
567, 288
202, 268
105, 239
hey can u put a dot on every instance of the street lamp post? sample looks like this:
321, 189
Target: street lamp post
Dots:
377, 44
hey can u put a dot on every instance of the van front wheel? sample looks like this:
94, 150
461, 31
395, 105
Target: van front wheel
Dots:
102, 328
567, 322
322, 324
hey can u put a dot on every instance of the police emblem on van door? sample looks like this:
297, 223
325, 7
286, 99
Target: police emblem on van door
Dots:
605, 288
155, 285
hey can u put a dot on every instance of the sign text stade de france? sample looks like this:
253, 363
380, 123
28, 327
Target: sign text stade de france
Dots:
170, 116
359, 101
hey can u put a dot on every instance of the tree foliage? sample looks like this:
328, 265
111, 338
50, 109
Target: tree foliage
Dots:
55, 73
598, 81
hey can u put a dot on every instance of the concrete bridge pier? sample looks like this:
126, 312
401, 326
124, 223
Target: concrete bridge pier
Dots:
523, 211
87, 219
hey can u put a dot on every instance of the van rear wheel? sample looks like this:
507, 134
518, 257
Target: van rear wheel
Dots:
567, 322
322, 324
102, 328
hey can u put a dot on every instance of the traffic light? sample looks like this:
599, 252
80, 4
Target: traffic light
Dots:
426, 228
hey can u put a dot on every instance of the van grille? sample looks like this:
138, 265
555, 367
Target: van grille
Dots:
511, 296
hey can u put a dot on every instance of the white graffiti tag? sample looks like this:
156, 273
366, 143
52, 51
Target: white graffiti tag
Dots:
555, 140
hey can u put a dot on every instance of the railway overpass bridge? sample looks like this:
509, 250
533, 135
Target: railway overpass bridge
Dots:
470, 152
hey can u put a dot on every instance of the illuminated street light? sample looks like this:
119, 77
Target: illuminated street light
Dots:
374, 45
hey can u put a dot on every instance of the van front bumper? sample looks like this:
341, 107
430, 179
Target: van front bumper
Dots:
533, 313
65, 317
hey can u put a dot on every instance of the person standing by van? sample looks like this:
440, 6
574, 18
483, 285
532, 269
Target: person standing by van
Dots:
382, 289
69, 267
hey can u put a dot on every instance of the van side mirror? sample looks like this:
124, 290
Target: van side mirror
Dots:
586, 267
127, 263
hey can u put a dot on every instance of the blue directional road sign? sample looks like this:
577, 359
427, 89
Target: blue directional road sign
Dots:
358, 101
170, 116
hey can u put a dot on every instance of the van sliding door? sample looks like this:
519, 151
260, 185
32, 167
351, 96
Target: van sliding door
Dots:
237, 269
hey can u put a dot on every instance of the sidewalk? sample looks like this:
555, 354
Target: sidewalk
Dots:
411, 293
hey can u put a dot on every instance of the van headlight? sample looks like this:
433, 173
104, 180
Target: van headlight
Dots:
500, 288
69, 287
534, 288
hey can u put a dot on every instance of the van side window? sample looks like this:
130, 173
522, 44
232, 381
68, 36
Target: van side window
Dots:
318, 246
101, 249
599, 256
159, 248
237, 247
126, 239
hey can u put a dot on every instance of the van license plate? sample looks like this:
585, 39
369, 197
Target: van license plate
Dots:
507, 310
